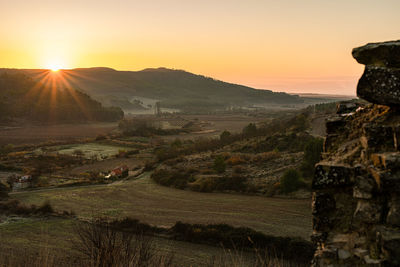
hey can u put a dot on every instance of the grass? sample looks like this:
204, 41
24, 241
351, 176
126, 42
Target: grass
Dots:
163, 206
89, 149
27, 236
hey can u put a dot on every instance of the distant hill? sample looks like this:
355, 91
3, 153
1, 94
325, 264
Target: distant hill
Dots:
173, 88
24, 99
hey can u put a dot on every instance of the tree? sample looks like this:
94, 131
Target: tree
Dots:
300, 123
225, 137
103, 245
250, 130
291, 181
219, 164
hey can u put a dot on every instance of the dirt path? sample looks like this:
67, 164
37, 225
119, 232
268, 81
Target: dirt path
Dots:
149, 202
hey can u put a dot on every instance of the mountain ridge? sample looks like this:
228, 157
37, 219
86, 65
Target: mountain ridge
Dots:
171, 87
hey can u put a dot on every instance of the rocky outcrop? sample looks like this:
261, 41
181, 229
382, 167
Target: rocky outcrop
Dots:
380, 82
356, 187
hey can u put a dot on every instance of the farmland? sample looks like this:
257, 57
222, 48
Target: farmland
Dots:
162, 206
72, 164
35, 134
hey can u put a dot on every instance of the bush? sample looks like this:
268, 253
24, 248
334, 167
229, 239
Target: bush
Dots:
235, 160
103, 245
210, 184
225, 137
219, 164
3, 191
291, 181
16, 207
100, 137
240, 237
176, 178
250, 130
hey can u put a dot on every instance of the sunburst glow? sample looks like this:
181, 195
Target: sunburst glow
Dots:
54, 66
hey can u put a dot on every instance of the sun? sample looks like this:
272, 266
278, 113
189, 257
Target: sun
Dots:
54, 66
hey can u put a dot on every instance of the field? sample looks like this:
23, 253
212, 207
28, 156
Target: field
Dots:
45, 133
140, 198
89, 150
30, 236
162, 206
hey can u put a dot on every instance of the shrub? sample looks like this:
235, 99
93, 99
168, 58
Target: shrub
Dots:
16, 207
235, 160
149, 165
234, 183
225, 137
204, 184
3, 191
250, 130
238, 170
100, 137
45, 208
103, 245
176, 178
291, 181
219, 164
241, 237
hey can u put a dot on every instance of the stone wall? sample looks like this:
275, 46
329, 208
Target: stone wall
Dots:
356, 188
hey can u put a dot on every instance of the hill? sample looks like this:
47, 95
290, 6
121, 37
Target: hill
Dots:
173, 88
24, 99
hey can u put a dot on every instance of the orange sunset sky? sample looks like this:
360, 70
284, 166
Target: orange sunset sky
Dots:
286, 45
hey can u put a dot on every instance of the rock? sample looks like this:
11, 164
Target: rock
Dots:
329, 175
367, 212
389, 182
363, 187
346, 107
329, 142
335, 125
390, 242
318, 237
380, 86
368, 260
343, 254
377, 137
388, 161
393, 216
322, 202
359, 252
385, 54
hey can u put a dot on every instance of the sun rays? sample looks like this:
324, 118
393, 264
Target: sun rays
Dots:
53, 83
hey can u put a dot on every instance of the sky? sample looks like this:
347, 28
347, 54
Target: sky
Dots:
297, 46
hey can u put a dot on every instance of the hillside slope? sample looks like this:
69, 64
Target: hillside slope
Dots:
23, 99
174, 88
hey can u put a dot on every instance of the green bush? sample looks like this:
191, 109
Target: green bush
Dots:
228, 236
225, 137
219, 164
175, 178
291, 181
250, 130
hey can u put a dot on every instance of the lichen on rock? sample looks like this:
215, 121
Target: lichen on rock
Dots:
356, 198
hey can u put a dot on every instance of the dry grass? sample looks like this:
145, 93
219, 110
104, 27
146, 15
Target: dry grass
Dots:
163, 206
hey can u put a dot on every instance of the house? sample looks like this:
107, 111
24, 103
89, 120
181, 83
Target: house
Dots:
21, 182
119, 172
